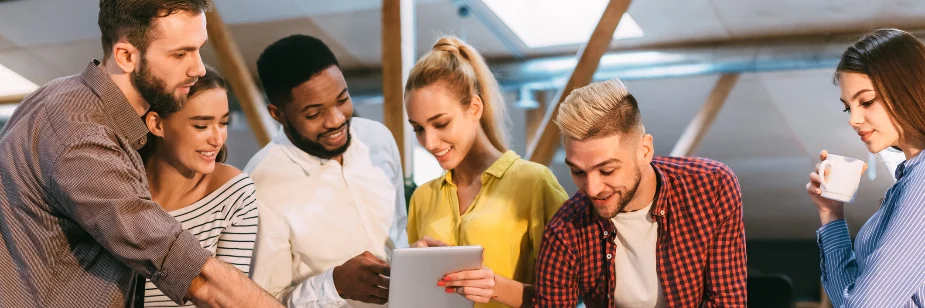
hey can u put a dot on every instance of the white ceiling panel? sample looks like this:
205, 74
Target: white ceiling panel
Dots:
360, 33
29, 66
690, 19
38, 22
314, 8
749, 116
439, 19
4, 43
70, 58
252, 39
249, 11
779, 17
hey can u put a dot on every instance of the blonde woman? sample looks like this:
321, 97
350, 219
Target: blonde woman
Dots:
489, 196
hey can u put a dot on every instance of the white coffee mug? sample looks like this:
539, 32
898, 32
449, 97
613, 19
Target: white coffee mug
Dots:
844, 177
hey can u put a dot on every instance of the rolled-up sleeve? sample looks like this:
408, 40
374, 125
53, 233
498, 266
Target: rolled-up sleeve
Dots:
97, 183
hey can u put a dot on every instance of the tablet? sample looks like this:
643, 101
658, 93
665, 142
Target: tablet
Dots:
415, 272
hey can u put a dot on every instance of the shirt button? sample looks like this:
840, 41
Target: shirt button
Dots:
606, 233
661, 212
609, 256
141, 142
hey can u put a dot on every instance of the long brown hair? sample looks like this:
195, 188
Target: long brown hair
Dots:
894, 60
211, 80
465, 72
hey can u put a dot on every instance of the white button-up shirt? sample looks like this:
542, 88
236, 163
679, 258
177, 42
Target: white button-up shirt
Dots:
317, 214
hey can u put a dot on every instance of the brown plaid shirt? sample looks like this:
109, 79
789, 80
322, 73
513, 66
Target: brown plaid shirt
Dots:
700, 250
76, 218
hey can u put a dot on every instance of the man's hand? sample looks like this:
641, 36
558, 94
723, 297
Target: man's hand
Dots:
221, 285
361, 279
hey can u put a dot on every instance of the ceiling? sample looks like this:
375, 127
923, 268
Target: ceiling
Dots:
769, 132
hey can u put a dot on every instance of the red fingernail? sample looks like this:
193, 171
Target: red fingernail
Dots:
441, 283
449, 290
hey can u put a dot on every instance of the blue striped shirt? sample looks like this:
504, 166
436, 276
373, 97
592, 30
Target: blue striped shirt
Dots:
886, 268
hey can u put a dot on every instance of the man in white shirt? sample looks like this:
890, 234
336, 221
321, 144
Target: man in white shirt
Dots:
329, 186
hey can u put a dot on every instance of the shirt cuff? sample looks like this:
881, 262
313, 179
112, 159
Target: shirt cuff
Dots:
833, 236
183, 263
318, 291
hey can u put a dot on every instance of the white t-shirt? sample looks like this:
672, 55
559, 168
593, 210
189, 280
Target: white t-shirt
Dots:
637, 284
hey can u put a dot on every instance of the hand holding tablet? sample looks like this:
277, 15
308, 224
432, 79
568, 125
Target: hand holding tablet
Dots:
416, 272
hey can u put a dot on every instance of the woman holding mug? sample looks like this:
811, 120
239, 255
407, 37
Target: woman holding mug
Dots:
882, 82
489, 196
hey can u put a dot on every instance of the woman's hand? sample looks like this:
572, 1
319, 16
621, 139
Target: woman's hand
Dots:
475, 285
427, 241
829, 210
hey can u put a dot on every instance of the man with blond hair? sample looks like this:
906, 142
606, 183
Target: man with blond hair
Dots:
642, 231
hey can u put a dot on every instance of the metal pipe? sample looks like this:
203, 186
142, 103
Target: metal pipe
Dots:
750, 57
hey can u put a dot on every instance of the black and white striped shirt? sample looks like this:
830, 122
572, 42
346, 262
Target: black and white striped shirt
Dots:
225, 222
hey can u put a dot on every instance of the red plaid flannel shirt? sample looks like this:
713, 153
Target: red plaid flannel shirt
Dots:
700, 251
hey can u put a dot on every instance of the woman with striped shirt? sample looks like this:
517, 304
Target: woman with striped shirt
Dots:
183, 159
882, 81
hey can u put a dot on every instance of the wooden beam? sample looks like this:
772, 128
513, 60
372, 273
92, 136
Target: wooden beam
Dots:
697, 129
397, 60
543, 147
239, 78
534, 117
12, 99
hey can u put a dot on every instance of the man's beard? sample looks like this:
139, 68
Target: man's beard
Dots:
314, 148
154, 90
630, 193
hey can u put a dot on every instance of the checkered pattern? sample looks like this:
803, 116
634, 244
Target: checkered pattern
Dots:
700, 249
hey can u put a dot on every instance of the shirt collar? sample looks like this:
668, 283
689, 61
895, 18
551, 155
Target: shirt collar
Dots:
128, 123
662, 193
496, 169
906, 166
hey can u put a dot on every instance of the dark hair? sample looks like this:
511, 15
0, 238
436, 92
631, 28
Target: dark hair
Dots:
289, 62
211, 80
895, 63
133, 19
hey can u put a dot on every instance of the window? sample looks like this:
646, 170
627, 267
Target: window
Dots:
426, 167
11, 84
545, 23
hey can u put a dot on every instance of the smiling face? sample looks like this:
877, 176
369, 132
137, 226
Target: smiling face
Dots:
608, 169
317, 120
868, 115
443, 125
192, 137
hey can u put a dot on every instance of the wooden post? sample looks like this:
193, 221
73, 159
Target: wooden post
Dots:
239, 77
544, 146
12, 99
697, 129
397, 60
535, 116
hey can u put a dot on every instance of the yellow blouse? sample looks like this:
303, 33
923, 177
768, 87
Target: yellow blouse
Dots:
506, 217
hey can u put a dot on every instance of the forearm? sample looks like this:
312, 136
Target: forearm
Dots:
222, 285
838, 266
512, 293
